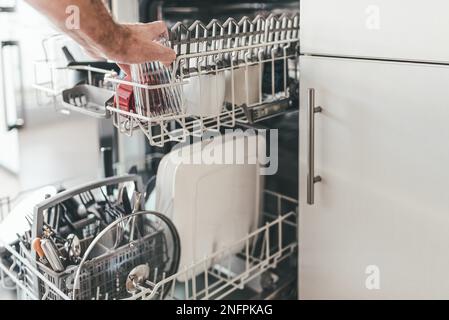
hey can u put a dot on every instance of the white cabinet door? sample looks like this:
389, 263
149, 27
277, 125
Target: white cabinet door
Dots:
381, 211
390, 29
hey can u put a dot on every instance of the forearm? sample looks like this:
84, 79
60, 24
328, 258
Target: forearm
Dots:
102, 36
96, 29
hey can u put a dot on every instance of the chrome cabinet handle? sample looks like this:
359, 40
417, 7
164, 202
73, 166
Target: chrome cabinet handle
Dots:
11, 8
311, 178
19, 121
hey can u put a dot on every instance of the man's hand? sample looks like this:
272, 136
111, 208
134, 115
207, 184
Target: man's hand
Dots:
101, 36
139, 43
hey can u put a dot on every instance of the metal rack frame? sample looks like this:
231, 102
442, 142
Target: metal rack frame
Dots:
263, 250
32, 276
215, 49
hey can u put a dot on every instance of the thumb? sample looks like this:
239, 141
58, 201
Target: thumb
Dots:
158, 29
163, 54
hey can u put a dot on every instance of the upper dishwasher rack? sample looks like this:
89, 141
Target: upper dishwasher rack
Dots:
216, 46
224, 74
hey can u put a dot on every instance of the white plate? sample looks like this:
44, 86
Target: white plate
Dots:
213, 206
247, 85
204, 95
15, 222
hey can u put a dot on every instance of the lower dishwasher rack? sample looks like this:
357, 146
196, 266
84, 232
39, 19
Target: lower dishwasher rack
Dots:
222, 274
229, 273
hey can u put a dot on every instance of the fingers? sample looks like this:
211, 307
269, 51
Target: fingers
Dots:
137, 46
158, 29
152, 51
166, 63
163, 54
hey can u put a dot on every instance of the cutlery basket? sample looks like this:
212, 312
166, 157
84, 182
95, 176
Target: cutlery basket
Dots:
102, 277
53, 213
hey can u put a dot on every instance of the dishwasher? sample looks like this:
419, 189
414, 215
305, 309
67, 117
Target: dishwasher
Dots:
236, 71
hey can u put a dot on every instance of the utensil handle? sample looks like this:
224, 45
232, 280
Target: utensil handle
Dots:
38, 221
311, 178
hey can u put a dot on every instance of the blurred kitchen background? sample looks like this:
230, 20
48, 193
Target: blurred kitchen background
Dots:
38, 145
